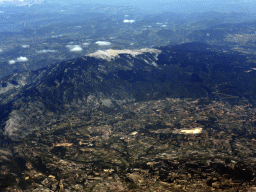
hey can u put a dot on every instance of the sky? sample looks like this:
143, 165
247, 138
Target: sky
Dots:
167, 5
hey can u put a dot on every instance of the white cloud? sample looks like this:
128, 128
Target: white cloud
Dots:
102, 43
164, 25
25, 46
1, 50
69, 46
129, 21
86, 44
22, 59
19, 59
46, 51
11, 62
74, 48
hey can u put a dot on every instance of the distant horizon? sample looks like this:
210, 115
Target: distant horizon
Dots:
158, 6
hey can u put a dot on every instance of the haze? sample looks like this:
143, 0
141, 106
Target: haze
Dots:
180, 6
158, 6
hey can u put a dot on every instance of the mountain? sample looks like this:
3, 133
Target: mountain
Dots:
240, 36
109, 79
162, 118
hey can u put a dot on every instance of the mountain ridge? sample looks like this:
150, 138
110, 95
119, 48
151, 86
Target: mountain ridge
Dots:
192, 70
